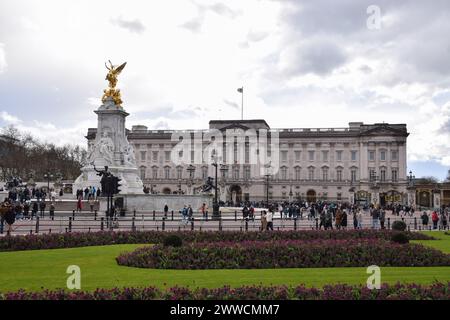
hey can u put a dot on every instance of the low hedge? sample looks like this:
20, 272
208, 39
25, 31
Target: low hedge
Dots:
436, 291
284, 254
70, 240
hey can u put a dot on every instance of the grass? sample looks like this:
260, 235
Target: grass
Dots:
442, 244
46, 269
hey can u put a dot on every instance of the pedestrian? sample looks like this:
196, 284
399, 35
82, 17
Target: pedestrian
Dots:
435, 219
52, 210
329, 220
263, 220
382, 218
338, 220
91, 202
42, 206
166, 210
80, 203
269, 218
425, 219
322, 219
344, 219
360, 219
375, 213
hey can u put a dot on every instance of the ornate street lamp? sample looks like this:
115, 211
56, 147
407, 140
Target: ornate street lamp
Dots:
216, 212
191, 170
267, 175
48, 176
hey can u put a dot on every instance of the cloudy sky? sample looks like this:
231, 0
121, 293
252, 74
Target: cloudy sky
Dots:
302, 64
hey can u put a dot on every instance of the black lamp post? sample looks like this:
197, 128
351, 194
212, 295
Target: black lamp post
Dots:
48, 176
267, 175
216, 212
191, 170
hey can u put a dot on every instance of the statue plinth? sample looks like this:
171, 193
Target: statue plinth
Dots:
111, 148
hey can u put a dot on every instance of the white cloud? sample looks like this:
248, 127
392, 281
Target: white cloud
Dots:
9, 119
3, 63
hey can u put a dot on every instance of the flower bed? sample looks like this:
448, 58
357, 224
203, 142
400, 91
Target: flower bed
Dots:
437, 291
70, 240
284, 254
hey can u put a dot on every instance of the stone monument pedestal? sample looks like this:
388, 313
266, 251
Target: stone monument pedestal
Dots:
111, 148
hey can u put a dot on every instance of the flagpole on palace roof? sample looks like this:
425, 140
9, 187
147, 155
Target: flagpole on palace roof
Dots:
241, 90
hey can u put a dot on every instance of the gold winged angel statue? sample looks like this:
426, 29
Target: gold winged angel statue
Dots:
113, 73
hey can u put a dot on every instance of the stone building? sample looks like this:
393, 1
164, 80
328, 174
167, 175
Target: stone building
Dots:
363, 163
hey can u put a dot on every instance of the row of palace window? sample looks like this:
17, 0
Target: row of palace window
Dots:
312, 155
283, 175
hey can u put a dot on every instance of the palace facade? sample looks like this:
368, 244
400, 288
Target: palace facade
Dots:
362, 163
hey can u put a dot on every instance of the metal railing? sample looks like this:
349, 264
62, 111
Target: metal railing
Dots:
173, 221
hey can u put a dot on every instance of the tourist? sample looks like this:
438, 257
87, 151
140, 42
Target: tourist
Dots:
360, 218
35, 209
99, 193
329, 220
42, 206
269, 218
322, 219
338, 220
382, 218
435, 219
251, 213
263, 220
184, 214
165, 210
245, 212
344, 219
91, 202
61, 193
80, 203
190, 213
375, 213
355, 220
443, 221
52, 210
425, 219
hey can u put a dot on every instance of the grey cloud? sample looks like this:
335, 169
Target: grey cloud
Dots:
196, 23
255, 36
231, 104
317, 56
135, 26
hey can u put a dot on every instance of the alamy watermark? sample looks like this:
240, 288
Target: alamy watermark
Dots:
74, 280
230, 147
374, 20
374, 280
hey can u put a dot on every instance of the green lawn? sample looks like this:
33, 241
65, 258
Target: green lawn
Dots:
442, 244
34, 270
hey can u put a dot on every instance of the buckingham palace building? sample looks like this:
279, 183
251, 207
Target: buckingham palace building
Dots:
361, 163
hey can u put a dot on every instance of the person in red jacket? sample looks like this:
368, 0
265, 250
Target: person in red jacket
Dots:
435, 219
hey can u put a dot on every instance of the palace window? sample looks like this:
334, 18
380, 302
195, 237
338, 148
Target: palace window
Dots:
325, 156
394, 155
353, 155
247, 173
383, 155
311, 174
339, 155
204, 173
325, 174
311, 155
283, 173
155, 173
142, 172
143, 155
284, 156
339, 175
371, 155
179, 172
383, 174
394, 175
297, 155
236, 173
353, 175
166, 173
297, 173
155, 156
167, 155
